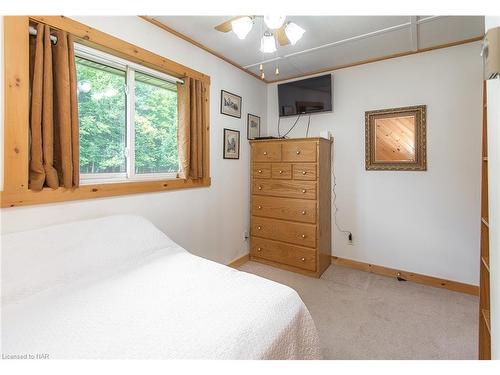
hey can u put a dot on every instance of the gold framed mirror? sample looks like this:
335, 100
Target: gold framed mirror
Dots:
395, 139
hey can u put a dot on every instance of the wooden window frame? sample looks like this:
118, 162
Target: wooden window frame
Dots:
16, 116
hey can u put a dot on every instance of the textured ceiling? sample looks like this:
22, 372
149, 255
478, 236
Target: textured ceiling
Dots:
407, 34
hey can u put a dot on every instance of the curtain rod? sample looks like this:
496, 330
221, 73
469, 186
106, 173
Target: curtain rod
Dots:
33, 31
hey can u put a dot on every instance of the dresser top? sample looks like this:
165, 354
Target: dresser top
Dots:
312, 139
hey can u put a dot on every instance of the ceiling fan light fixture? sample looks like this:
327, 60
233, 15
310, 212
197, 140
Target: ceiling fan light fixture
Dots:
274, 22
293, 32
268, 43
242, 26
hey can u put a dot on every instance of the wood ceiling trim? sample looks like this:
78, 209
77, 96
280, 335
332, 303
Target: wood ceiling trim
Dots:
324, 70
199, 45
376, 59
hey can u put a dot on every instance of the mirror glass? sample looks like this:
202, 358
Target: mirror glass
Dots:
395, 139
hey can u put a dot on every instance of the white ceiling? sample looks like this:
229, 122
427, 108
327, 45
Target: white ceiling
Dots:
321, 30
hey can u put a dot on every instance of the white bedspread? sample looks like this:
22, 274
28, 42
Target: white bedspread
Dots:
117, 287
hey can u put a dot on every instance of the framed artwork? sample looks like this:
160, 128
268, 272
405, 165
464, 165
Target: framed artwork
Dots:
231, 144
396, 139
253, 126
230, 104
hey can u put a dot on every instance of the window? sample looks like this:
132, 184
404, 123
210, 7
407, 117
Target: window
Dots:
127, 118
120, 130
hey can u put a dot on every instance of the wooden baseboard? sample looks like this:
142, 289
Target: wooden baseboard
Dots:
379, 270
409, 276
235, 263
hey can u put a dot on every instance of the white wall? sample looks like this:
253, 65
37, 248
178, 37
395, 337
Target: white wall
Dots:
424, 222
208, 221
493, 94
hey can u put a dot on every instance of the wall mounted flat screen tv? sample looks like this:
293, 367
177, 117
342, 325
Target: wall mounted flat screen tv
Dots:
309, 95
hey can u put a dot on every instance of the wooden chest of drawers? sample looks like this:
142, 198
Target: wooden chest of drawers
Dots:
291, 204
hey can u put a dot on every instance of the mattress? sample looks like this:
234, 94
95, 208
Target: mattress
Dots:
118, 288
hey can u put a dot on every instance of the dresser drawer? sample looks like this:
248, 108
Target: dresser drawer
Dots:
266, 151
281, 171
304, 171
299, 151
261, 170
296, 256
300, 234
284, 208
290, 189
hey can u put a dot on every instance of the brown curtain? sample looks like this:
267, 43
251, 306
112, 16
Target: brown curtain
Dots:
54, 157
192, 103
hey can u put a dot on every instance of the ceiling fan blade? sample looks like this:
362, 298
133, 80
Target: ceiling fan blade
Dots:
224, 27
281, 36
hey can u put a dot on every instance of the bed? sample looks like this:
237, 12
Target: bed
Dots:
117, 288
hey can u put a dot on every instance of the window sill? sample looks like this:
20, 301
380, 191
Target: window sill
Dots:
124, 179
47, 195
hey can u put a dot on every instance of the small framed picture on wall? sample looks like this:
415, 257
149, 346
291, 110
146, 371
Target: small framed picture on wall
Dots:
230, 104
231, 144
253, 126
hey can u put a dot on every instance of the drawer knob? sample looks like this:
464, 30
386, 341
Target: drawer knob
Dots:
259, 227
303, 236
265, 152
303, 190
303, 259
260, 170
281, 172
298, 152
260, 187
260, 207
304, 212
304, 173
259, 249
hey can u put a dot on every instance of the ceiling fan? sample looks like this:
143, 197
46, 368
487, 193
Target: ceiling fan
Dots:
284, 32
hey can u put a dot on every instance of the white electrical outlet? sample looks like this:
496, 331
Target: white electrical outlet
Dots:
245, 235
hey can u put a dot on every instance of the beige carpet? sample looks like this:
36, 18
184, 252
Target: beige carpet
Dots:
360, 315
